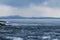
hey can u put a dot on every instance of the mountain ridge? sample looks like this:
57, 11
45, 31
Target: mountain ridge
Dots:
21, 17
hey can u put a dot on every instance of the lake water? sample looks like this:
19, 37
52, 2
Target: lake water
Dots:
29, 34
32, 21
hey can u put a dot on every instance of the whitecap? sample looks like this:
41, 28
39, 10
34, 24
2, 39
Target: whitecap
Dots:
14, 38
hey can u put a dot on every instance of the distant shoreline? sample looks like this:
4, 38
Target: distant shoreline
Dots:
33, 18
21, 17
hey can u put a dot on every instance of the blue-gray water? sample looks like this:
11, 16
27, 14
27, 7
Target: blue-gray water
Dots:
33, 21
30, 33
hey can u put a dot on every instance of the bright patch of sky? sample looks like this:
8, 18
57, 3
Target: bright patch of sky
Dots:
30, 8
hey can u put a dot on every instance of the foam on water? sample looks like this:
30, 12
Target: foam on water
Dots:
45, 37
55, 39
14, 38
17, 39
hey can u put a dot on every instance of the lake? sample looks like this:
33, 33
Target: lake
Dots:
32, 21
30, 32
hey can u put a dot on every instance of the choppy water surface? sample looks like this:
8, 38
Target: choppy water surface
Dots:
31, 29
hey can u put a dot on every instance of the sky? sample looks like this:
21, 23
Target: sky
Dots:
30, 8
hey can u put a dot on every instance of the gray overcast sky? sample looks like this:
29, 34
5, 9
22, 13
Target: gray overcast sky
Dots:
30, 8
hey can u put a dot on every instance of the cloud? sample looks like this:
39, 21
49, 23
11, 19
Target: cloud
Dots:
4, 10
20, 3
53, 3
45, 9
